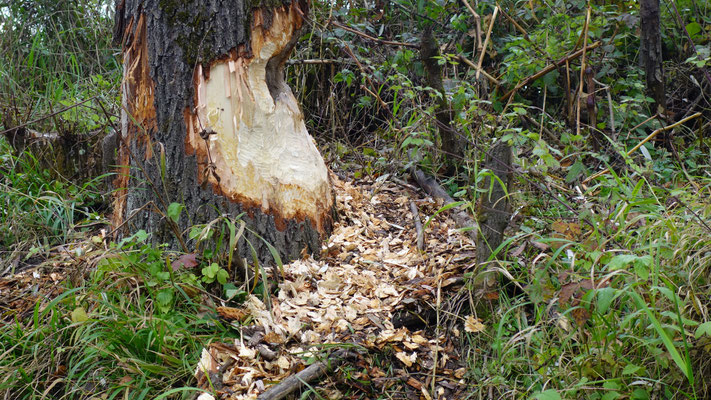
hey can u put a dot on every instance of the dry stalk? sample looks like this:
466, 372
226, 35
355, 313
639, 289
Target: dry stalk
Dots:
486, 41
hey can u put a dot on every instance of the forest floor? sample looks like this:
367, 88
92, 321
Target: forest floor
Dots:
373, 303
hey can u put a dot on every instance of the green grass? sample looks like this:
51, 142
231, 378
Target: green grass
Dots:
646, 333
112, 336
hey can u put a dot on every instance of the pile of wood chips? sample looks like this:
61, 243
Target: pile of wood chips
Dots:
369, 272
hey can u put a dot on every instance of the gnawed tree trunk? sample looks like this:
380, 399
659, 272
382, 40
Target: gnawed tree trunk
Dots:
209, 122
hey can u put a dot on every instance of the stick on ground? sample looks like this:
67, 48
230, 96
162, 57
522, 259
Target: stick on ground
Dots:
418, 227
459, 214
309, 374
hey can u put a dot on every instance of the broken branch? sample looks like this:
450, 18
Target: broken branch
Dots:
432, 188
308, 374
418, 226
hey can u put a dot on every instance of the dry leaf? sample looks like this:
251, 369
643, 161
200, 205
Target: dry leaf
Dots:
273, 338
185, 261
407, 360
473, 325
231, 313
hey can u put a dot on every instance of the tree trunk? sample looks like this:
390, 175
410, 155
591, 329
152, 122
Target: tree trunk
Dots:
209, 122
453, 145
651, 52
494, 211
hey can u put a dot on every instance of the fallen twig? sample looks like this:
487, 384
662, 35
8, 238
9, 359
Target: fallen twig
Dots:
418, 227
308, 374
432, 188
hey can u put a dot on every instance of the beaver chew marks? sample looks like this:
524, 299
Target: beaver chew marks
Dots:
260, 148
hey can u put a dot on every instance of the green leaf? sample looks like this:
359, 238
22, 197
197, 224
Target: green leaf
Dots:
703, 329
165, 297
550, 394
222, 276
605, 296
641, 270
693, 28
630, 369
682, 364
640, 394
174, 210
79, 315
612, 395
621, 261
574, 171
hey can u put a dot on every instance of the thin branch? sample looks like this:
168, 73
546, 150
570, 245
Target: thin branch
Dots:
366, 36
640, 144
477, 21
49, 115
486, 41
547, 69
478, 69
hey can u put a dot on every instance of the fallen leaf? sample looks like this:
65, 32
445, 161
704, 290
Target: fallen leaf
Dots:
231, 313
273, 338
283, 362
407, 360
473, 325
414, 383
185, 261
79, 315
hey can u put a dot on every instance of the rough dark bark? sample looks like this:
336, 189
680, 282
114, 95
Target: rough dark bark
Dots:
495, 210
174, 145
452, 144
651, 52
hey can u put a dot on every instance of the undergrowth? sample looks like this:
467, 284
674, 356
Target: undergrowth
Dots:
126, 330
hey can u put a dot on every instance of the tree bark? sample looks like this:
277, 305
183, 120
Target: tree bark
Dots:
494, 211
209, 122
651, 52
453, 145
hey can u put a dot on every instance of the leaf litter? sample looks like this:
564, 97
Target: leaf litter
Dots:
370, 271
